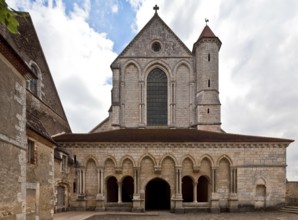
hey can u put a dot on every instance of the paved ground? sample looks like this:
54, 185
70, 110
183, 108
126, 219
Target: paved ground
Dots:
171, 216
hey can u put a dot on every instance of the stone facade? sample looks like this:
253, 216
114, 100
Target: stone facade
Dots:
64, 174
30, 112
184, 162
235, 174
13, 74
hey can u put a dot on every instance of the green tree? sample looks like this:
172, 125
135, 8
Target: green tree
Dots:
8, 17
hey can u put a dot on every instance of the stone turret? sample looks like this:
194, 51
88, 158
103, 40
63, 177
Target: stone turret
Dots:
208, 105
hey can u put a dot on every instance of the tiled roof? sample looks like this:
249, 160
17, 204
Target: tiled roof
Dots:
163, 135
207, 33
35, 124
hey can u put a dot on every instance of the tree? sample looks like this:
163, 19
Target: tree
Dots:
8, 17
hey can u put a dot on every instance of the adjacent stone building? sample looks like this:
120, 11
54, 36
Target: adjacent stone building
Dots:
30, 114
162, 146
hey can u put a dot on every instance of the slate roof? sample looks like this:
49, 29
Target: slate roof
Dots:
164, 135
13, 57
35, 124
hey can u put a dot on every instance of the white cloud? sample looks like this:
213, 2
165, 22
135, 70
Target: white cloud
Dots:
115, 8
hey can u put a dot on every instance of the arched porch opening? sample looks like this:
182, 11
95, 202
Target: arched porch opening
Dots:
127, 189
112, 189
157, 195
187, 189
202, 189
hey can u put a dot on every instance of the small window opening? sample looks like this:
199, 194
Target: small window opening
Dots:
208, 111
209, 83
31, 157
156, 46
64, 163
74, 187
75, 159
208, 57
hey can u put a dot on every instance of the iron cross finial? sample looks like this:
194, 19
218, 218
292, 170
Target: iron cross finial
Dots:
155, 8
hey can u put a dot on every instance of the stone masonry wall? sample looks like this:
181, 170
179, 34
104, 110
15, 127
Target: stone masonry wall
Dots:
292, 193
12, 142
256, 164
40, 179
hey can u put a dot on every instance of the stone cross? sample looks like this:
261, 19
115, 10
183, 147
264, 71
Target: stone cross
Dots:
155, 8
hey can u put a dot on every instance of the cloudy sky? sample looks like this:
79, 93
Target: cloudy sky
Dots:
258, 57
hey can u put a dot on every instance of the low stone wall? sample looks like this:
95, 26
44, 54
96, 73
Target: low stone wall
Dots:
292, 193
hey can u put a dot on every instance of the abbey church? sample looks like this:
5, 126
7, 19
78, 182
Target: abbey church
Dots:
162, 146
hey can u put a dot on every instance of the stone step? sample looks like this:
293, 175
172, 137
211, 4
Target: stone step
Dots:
290, 209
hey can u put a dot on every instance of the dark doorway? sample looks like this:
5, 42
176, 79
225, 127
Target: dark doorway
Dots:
158, 195
187, 189
202, 189
60, 197
112, 190
127, 189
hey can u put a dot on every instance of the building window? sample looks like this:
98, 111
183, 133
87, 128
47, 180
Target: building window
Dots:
31, 152
157, 98
64, 163
156, 46
208, 57
34, 85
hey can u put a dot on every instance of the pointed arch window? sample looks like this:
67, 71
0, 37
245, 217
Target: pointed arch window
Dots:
157, 98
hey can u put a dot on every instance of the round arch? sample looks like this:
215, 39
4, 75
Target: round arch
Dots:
157, 195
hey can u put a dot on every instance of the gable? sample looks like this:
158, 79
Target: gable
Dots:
156, 31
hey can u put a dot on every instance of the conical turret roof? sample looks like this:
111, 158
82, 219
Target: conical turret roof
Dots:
207, 33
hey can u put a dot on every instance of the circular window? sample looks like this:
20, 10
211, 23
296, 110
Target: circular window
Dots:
156, 46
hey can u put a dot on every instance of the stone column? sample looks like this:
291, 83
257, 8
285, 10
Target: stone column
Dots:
84, 181
79, 182
214, 196
119, 192
178, 199
136, 196
195, 191
100, 197
98, 181
213, 180
233, 198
